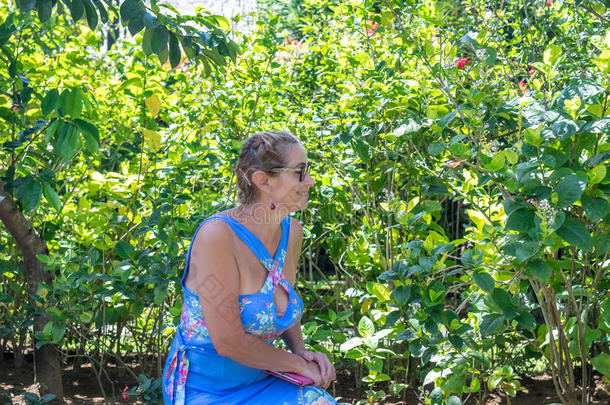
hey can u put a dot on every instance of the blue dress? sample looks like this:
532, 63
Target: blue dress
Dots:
195, 373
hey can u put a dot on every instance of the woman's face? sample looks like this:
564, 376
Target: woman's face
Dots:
287, 192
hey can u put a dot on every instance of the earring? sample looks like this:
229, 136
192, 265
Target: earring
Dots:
272, 206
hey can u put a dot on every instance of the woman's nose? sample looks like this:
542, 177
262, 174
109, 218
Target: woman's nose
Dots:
308, 180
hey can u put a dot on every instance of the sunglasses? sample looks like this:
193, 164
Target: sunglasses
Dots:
303, 170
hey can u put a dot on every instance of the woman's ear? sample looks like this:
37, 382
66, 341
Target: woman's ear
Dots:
261, 180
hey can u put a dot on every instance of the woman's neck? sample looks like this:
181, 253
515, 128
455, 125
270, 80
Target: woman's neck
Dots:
261, 219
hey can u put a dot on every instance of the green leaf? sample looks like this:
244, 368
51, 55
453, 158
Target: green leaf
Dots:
68, 140
564, 129
102, 10
502, 298
497, 162
526, 320
446, 119
90, 134
147, 42
575, 233
490, 324
552, 54
51, 196
540, 269
366, 328
60, 105
436, 396
74, 103
174, 50
57, 332
387, 19
401, 295
453, 400
526, 250
28, 193
123, 249
595, 208
49, 101
602, 364
597, 174
569, 189
77, 9
159, 39
520, 220
91, 14
26, 5
44, 8
136, 25
131, 9
436, 148
484, 281
460, 150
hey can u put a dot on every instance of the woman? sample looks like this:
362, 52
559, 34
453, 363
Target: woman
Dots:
224, 342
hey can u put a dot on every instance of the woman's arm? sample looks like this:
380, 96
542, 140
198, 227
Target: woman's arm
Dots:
215, 278
293, 337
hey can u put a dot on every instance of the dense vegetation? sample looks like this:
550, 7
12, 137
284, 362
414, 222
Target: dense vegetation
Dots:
457, 237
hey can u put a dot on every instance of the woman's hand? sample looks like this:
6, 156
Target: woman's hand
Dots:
327, 370
312, 371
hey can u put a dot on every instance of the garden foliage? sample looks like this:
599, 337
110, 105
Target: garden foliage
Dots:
457, 237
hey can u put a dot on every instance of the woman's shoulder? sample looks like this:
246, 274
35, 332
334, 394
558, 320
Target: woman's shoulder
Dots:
214, 232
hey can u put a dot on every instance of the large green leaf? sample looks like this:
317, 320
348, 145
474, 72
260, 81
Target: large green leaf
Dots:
159, 39
90, 134
91, 14
49, 101
174, 50
595, 208
540, 269
131, 9
68, 140
576, 233
521, 220
74, 103
52, 196
490, 324
569, 189
44, 8
26, 5
77, 9
484, 281
602, 364
28, 193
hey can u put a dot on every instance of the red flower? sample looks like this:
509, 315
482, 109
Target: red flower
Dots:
124, 392
531, 70
549, 2
462, 62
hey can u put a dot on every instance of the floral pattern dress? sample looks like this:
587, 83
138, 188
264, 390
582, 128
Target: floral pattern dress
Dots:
195, 373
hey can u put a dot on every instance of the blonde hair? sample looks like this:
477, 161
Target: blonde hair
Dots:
261, 151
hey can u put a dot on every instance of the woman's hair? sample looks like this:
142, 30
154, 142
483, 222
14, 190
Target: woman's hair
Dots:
261, 151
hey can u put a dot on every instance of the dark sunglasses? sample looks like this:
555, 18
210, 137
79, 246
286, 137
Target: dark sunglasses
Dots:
303, 170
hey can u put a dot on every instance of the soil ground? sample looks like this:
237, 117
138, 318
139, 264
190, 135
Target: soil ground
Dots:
82, 388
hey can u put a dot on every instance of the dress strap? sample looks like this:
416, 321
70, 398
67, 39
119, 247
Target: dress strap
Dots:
273, 264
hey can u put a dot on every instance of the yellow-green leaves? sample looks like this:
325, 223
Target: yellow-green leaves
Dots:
153, 103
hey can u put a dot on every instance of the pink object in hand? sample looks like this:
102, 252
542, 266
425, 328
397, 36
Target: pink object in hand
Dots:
294, 378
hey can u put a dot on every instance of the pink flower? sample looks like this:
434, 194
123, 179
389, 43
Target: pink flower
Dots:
372, 26
549, 2
124, 392
462, 62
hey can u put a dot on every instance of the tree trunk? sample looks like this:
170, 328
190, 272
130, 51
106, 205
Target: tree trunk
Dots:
47, 369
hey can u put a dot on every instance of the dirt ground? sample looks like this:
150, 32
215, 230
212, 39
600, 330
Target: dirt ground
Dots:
82, 388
